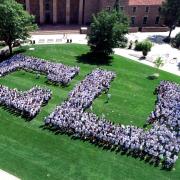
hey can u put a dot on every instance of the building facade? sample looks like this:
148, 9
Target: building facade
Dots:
142, 13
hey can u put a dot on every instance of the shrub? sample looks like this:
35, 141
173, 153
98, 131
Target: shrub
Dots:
144, 45
158, 62
153, 76
2, 43
176, 41
136, 41
138, 46
130, 45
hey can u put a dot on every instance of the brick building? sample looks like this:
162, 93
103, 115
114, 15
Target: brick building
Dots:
143, 14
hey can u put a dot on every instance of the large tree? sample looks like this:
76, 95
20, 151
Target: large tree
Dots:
171, 12
15, 22
107, 31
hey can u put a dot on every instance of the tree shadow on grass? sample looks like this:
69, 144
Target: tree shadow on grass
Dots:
94, 59
5, 54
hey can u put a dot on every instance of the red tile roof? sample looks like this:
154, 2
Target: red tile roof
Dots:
145, 2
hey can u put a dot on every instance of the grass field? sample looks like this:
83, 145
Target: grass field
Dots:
1, 46
31, 153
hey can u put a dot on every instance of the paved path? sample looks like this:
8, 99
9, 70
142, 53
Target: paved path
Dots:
170, 56
170, 65
4, 49
59, 38
6, 176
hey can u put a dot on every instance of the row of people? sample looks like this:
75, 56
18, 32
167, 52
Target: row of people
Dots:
167, 109
56, 72
160, 142
91, 87
28, 103
84, 93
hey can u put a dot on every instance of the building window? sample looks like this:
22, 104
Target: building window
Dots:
47, 17
108, 8
133, 20
134, 9
147, 9
47, 7
157, 20
159, 9
121, 8
145, 20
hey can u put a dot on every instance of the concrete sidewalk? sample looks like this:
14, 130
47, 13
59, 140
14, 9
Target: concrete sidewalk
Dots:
59, 38
6, 176
169, 66
4, 50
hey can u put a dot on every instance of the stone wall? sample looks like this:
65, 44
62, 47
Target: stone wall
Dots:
61, 12
74, 11
92, 7
34, 9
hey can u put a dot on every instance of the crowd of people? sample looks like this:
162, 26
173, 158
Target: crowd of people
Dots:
27, 103
91, 87
83, 95
163, 143
160, 142
56, 72
167, 109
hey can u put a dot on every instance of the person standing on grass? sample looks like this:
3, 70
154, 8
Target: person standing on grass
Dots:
108, 97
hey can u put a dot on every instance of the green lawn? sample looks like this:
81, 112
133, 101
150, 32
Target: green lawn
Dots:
29, 152
1, 46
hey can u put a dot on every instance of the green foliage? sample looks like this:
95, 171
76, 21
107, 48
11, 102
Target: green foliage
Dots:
130, 45
15, 23
108, 29
171, 13
153, 76
2, 44
176, 41
158, 62
144, 46
138, 46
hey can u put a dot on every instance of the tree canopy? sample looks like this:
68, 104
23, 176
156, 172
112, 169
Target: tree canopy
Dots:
171, 12
107, 31
15, 22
